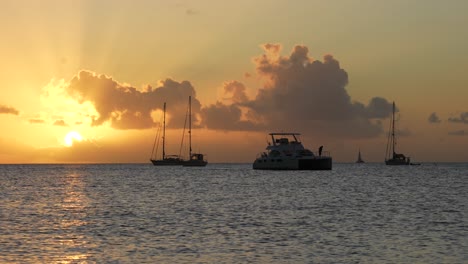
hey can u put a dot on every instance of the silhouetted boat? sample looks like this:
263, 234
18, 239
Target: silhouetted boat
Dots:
391, 157
195, 159
286, 152
166, 160
359, 159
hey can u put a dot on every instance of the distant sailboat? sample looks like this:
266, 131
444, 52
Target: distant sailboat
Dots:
391, 157
195, 159
359, 159
166, 160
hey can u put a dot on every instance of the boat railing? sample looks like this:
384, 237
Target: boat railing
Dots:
324, 154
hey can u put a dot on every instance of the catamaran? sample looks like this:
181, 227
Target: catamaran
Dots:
286, 152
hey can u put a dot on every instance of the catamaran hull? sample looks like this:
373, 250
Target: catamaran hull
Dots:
195, 163
321, 163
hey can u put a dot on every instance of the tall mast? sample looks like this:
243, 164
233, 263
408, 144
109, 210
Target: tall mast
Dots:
393, 129
190, 126
164, 132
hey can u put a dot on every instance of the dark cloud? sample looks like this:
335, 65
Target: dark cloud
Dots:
126, 107
458, 133
60, 123
8, 110
36, 121
226, 117
237, 90
463, 118
302, 94
433, 118
191, 12
378, 108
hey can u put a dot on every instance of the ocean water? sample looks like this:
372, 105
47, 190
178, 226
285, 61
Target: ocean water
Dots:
229, 213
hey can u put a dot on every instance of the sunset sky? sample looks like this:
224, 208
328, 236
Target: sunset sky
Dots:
85, 81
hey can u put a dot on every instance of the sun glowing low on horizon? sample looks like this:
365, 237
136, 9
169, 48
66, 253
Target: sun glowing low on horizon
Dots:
71, 137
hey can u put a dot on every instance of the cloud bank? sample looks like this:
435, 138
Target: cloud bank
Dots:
297, 93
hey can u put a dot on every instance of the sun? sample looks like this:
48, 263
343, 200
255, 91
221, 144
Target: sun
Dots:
70, 137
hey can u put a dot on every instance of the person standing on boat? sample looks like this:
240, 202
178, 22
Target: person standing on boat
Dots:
320, 150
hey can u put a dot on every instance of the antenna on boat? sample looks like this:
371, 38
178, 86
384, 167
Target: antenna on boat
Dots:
164, 132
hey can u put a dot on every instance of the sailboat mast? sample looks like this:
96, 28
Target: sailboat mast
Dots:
393, 129
190, 127
164, 132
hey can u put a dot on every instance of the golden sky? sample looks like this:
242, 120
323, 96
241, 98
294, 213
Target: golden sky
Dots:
85, 81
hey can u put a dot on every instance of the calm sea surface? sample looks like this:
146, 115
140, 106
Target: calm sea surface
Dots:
225, 213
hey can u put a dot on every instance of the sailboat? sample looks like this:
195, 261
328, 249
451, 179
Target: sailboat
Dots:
195, 159
166, 160
359, 159
391, 157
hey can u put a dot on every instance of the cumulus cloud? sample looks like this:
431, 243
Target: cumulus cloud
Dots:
463, 118
8, 110
237, 90
226, 117
299, 93
434, 118
126, 107
458, 133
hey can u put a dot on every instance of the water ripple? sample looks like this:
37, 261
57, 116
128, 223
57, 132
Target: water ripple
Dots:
228, 213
